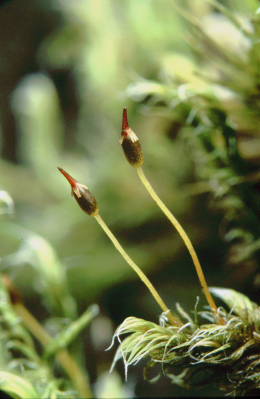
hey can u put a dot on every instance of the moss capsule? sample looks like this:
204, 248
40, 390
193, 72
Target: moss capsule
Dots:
130, 143
82, 195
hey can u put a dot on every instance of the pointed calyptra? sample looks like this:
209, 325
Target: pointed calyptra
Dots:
82, 195
130, 143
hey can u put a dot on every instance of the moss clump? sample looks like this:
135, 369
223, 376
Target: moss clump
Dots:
191, 354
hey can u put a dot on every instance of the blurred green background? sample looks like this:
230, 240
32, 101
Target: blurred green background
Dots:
67, 70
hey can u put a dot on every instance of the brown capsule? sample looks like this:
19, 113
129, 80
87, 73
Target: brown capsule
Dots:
82, 195
130, 143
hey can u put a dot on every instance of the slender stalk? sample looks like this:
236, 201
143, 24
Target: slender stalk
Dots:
183, 235
65, 359
172, 318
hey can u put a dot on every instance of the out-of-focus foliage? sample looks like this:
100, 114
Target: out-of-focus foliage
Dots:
19, 357
192, 69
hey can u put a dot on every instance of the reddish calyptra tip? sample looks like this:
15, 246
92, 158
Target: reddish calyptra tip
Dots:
125, 124
71, 180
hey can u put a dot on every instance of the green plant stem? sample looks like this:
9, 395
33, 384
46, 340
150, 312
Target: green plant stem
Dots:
65, 359
172, 318
183, 235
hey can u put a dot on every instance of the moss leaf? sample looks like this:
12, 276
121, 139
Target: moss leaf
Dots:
16, 386
237, 302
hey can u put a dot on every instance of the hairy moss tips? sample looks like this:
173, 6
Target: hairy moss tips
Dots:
227, 353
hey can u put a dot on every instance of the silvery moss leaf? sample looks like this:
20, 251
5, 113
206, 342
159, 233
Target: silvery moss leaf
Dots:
238, 303
16, 386
6, 203
201, 348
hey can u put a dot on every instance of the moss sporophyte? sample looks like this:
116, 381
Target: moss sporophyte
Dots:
88, 204
134, 154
